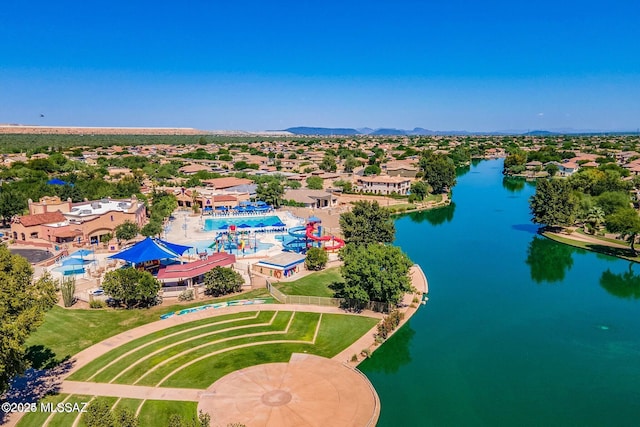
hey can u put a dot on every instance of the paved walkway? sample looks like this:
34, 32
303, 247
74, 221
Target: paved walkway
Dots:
588, 239
130, 391
308, 391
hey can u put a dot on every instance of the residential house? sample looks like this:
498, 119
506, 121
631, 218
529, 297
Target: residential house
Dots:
383, 184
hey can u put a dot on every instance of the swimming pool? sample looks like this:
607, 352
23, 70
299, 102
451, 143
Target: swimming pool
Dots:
203, 246
211, 224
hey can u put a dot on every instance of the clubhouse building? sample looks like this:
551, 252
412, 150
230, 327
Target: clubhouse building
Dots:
53, 221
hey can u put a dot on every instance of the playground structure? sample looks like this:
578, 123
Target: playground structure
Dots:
310, 235
234, 239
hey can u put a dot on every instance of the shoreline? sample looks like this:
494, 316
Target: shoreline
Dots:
592, 244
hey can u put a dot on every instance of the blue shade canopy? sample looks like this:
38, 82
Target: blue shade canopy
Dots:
56, 181
73, 261
314, 219
223, 227
179, 249
147, 250
279, 224
244, 226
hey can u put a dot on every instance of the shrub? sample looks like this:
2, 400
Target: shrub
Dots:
222, 281
186, 295
366, 353
96, 303
389, 323
354, 358
316, 259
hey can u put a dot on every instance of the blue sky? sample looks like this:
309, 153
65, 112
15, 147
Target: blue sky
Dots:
258, 65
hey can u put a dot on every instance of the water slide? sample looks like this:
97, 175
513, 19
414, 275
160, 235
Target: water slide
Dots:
299, 232
338, 243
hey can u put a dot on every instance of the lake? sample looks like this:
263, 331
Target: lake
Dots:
518, 330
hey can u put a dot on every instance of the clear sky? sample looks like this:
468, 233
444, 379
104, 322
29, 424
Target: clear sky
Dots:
258, 65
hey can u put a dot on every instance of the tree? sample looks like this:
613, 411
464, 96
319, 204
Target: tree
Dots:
611, 201
125, 417
518, 158
106, 238
23, 304
350, 163
595, 217
222, 281
127, 231
126, 187
316, 259
551, 169
195, 204
372, 170
270, 193
152, 228
553, 204
328, 163
98, 414
419, 189
131, 287
293, 184
367, 223
438, 171
346, 186
11, 203
315, 183
381, 271
626, 223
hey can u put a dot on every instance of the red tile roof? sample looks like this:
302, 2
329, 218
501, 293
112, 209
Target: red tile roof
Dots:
197, 268
43, 218
226, 182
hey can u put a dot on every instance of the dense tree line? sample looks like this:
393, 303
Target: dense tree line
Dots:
372, 269
23, 304
592, 197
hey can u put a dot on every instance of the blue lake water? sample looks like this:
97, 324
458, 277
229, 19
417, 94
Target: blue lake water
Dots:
519, 330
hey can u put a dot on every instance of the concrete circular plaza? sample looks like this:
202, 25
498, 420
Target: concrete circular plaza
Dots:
307, 391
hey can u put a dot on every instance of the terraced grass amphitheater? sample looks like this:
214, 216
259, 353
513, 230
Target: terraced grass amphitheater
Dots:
267, 365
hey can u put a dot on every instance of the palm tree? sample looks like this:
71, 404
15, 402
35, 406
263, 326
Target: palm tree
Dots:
194, 201
595, 217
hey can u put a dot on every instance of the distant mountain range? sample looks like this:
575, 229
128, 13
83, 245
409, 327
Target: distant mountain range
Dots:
304, 130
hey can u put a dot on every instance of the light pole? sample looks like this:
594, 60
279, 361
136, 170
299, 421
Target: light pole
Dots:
184, 226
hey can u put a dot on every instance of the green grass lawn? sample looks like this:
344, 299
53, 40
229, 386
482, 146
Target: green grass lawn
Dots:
132, 404
38, 418
219, 347
315, 284
65, 332
137, 367
433, 198
153, 370
336, 333
157, 412
167, 336
66, 419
